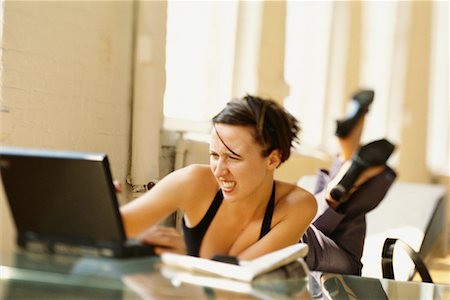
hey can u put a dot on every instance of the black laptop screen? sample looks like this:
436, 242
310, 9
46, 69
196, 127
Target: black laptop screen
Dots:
61, 195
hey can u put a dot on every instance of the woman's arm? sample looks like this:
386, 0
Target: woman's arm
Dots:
175, 191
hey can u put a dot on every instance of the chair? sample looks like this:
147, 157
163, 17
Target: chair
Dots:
387, 259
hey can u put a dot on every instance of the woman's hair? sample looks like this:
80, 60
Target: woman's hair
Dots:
275, 128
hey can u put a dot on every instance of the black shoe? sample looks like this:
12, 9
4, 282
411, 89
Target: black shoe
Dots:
373, 154
360, 105
368, 195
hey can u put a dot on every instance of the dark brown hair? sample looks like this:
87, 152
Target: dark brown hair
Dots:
275, 128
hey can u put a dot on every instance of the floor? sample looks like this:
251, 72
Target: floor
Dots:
439, 269
438, 263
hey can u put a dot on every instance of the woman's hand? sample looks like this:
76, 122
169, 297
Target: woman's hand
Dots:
165, 239
118, 186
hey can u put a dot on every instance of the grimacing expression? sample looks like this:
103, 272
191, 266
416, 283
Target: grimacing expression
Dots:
236, 160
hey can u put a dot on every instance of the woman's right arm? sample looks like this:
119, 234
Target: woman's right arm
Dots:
171, 193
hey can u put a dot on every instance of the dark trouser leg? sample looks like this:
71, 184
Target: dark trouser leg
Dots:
325, 255
336, 238
351, 233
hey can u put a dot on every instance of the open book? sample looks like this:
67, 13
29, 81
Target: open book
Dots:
245, 271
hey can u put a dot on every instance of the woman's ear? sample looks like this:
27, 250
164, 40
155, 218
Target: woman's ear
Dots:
274, 159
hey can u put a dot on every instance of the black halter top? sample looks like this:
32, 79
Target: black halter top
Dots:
194, 236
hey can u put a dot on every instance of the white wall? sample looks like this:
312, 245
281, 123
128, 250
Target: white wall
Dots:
67, 81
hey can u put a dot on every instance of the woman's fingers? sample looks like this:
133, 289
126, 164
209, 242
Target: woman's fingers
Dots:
118, 186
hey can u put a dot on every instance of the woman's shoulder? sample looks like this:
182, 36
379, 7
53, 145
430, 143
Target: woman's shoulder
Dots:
288, 188
193, 177
196, 171
291, 195
196, 185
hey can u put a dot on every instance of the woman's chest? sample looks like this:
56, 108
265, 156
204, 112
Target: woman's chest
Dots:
228, 235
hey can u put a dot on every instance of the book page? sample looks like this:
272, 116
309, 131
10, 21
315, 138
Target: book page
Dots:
246, 271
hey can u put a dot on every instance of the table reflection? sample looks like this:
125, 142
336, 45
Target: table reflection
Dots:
30, 276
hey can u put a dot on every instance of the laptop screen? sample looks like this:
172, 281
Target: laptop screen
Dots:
61, 196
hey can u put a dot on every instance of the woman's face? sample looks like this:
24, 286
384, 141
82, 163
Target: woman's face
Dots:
236, 160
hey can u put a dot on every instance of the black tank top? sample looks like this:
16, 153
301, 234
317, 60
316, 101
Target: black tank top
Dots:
194, 236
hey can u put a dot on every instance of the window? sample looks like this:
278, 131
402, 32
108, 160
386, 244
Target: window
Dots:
332, 49
199, 60
319, 72
306, 67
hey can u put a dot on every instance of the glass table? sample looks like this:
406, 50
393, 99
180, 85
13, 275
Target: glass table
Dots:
25, 275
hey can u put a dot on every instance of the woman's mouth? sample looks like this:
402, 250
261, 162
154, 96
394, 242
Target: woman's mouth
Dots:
227, 186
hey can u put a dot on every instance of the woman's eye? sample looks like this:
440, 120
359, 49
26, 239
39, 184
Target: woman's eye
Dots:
234, 158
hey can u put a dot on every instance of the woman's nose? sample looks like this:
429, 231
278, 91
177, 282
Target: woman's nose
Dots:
220, 168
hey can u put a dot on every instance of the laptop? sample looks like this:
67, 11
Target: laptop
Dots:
65, 202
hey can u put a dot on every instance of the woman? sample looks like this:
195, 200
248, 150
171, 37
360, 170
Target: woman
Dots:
234, 207
250, 138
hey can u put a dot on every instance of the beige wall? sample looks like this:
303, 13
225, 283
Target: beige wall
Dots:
412, 163
67, 77
66, 80
148, 90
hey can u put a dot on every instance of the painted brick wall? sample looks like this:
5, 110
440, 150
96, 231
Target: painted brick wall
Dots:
66, 79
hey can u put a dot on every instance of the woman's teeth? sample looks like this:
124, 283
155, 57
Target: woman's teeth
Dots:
228, 185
